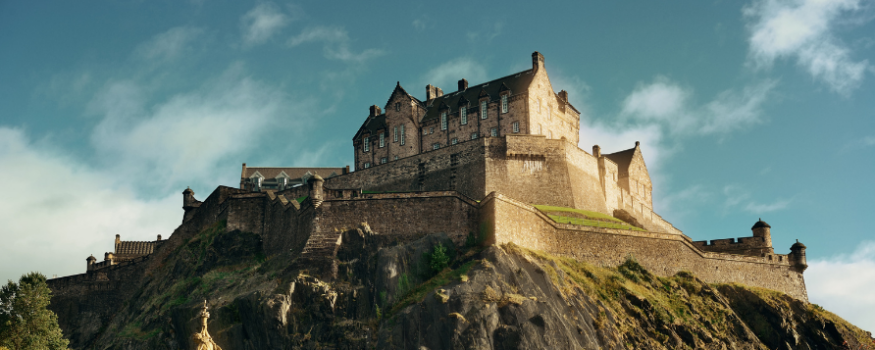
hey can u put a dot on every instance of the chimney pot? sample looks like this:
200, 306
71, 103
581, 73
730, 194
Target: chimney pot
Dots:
537, 60
463, 85
375, 111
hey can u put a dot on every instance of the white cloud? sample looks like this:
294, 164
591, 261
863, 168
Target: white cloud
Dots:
169, 45
262, 22
863, 142
189, 134
578, 90
843, 284
486, 34
804, 29
737, 197
335, 44
670, 105
447, 75
57, 211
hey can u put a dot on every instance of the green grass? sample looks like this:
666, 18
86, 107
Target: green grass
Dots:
301, 199
594, 219
419, 292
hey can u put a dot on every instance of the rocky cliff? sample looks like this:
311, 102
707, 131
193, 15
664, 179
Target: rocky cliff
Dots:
390, 292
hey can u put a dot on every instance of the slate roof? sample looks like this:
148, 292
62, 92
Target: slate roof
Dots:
515, 82
622, 158
135, 248
294, 173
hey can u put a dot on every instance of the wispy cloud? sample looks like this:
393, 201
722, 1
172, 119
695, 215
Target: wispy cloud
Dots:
421, 23
488, 33
169, 45
261, 23
843, 284
739, 198
85, 208
671, 105
187, 134
447, 74
335, 44
804, 30
860, 143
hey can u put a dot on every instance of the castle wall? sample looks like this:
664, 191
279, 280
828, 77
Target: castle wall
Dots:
586, 183
661, 253
402, 214
554, 119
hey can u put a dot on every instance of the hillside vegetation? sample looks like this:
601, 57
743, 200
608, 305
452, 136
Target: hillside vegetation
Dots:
424, 293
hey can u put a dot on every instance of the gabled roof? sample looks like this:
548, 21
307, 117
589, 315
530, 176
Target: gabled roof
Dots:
514, 82
134, 248
372, 125
400, 91
623, 158
293, 173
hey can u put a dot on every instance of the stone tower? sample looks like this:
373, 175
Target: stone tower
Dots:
316, 190
763, 230
797, 256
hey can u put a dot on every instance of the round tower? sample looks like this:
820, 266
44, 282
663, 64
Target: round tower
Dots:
188, 198
91, 259
762, 229
316, 191
797, 256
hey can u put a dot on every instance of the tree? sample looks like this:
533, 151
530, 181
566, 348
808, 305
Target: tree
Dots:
25, 323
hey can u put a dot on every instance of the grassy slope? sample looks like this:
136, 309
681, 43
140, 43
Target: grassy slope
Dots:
592, 218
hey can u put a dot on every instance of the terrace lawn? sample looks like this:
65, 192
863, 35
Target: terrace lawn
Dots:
591, 218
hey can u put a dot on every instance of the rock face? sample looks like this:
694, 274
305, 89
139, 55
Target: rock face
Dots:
387, 293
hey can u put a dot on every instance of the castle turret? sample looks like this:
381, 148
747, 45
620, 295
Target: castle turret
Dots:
763, 230
188, 198
108, 257
91, 260
797, 256
316, 191
596, 151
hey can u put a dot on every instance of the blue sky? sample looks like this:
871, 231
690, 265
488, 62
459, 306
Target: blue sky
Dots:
763, 108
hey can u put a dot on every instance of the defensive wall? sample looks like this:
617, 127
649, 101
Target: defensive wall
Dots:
512, 221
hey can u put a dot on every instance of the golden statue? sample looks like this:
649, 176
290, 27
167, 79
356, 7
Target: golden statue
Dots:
203, 339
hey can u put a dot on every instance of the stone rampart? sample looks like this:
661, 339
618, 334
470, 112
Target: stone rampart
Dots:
511, 221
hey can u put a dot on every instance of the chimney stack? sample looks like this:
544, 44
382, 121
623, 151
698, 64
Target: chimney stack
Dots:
375, 111
463, 85
563, 95
597, 151
432, 92
537, 61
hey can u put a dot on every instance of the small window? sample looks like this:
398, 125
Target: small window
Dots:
493, 132
444, 120
483, 109
516, 127
431, 130
550, 134
396, 158
398, 107
367, 165
436, 146
473, 135
382, 140
463, 113
504, 103
402, 135
383, 160
395, 134
454, 141
539, 105
540, 130
366, 143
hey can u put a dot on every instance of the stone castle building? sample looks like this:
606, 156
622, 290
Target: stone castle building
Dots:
486, 161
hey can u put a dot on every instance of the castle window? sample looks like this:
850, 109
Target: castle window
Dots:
396, 158
382, 140
402, 135
398, 107
367, 165
493, 132
516, 127
539, 105
454, 141
504, 103
550, 134
473, 135
395, 134
430, 131
483, 109
366, 143
436, 146
383, 160
463, 113
444, 120
540, 130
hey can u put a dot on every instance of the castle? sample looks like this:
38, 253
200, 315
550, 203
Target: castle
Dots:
498, 161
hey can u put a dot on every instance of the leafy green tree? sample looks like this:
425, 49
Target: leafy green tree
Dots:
25, 323
439, 258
